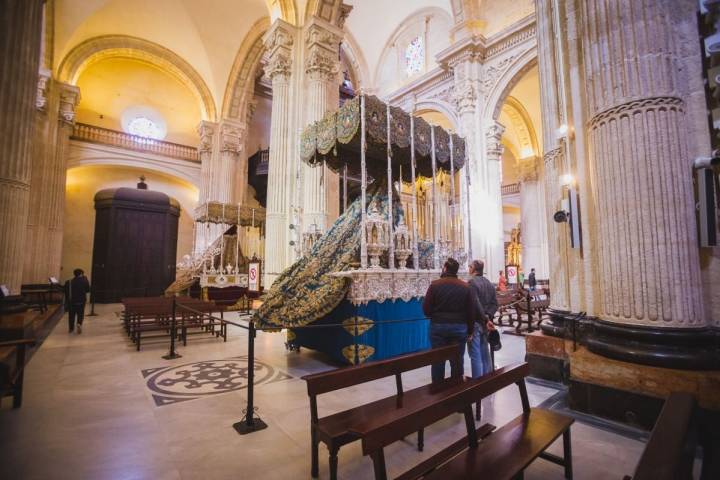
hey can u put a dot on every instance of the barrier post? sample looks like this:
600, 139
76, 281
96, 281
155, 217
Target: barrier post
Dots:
250, 424
172, 354
92, 302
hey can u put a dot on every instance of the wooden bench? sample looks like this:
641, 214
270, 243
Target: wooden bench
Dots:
533, 305
338, 429
670, 452
503, 454
154, 314
12, 368
506, 307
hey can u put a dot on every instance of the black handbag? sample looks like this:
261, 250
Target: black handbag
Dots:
494, 340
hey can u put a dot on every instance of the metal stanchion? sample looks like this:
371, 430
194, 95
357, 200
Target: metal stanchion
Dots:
250, 423
172, 354
92, 302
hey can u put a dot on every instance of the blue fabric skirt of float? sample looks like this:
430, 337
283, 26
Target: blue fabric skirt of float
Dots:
406, 331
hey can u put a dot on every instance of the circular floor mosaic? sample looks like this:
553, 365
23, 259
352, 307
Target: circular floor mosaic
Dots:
208, 377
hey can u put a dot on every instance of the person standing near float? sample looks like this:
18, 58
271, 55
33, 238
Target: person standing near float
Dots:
478, 347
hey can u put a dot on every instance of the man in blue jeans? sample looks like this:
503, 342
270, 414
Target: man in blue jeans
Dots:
478, 348
451, 307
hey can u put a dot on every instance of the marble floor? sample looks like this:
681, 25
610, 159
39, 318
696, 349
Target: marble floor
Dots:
94, 408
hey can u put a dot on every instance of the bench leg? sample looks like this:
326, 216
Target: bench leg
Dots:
17, 394
378, 459
333, 461
470, 425
519, 476
478, 411
314, 453
421, 440
567, 454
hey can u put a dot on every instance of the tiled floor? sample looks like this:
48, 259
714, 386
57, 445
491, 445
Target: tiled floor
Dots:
88, 413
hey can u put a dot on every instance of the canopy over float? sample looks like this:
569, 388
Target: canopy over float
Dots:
370, 266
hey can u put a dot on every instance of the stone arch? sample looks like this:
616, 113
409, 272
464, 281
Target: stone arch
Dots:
124, 46
439, 106
178, 169
508, 79
284, 10
522, 123
241, 82
353, 54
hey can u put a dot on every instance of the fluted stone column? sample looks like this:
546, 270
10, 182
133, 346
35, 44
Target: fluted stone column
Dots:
20, 38
648, 255
554, 155
279, 46
534, 243
53, 128
206, 130
230, 144
322, 64
492, 225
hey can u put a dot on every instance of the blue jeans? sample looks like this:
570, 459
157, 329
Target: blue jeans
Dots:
479, 351
442, 334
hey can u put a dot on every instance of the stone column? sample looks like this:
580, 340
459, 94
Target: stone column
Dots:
640, 168
279, 45
206, 130
69, 99
534, 244
322, 64
491, 226
20, 38
230, 144
554, 154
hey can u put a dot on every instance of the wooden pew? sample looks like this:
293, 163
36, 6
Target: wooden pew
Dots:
503, 454
337, 430
506, 307
533, 305
143, 315
670, 452
12, 368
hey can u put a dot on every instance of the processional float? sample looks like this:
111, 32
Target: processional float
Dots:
218, 265
370, 270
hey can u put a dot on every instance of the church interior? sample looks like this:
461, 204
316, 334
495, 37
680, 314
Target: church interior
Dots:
226, 227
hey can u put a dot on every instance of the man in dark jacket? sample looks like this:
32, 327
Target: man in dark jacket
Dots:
450, 305
478, 348
76, 290
532, 281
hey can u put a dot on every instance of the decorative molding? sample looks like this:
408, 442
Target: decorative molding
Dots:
322, 41
493, 141
380, 285
278, 45
321, 65
637, 106
528, 169
44, 75
69, 99
465, 96
231, 136
206, 131
551, 156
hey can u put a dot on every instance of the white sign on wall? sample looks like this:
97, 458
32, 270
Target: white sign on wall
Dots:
254, 277
512, 274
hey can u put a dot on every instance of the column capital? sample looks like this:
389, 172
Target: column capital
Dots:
493, 141
278, 45
322, 41
465, 96
44, 76
231, 135
528, 169
206, 130
69, 99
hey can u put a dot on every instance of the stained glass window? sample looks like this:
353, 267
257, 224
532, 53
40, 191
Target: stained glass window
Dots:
144, 127
415, 56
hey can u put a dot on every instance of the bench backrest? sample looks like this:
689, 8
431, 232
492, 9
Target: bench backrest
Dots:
666, 455
355, 375
476, 389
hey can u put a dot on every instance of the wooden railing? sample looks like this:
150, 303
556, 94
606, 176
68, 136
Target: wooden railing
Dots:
91, 133
510, 189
